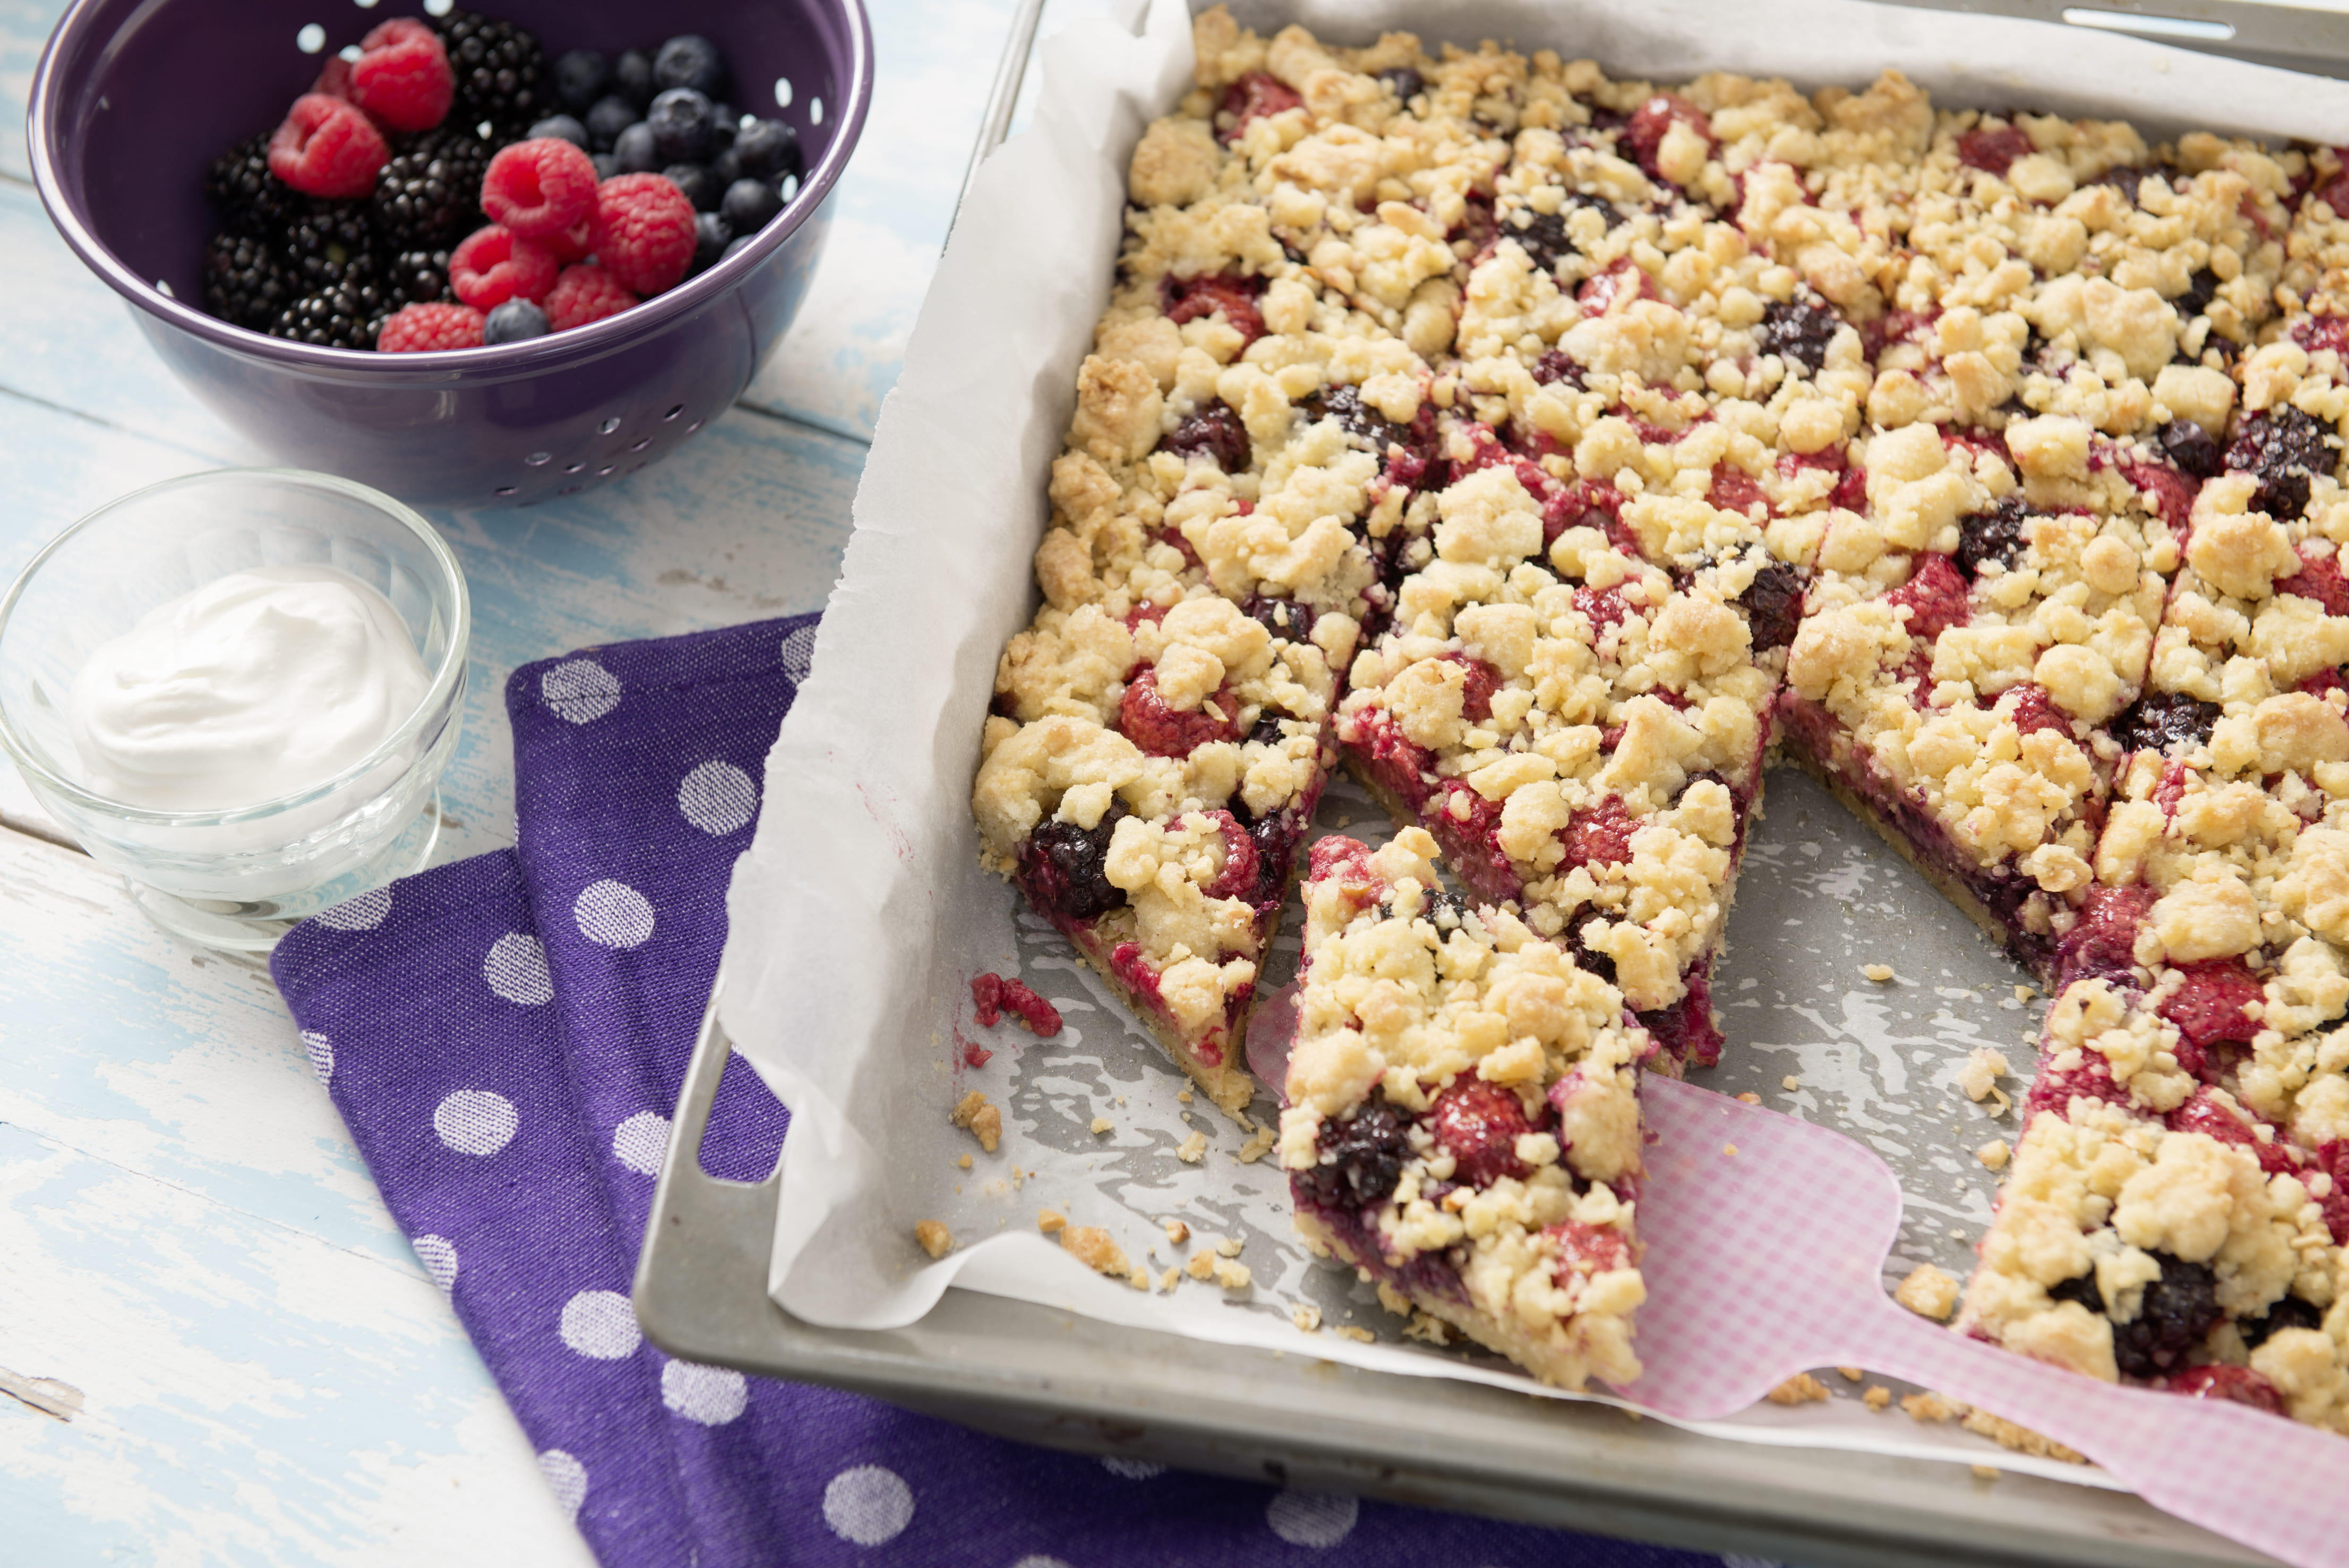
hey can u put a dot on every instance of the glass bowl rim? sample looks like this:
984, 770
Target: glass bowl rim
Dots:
446, 680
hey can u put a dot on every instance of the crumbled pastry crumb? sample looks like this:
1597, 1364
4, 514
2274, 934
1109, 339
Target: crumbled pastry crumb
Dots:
1170, 1279
2021, 1439
1182, 1096
1360, 1336
1229, 1247
1878, 1399
962, 1162
1230, 1275
1138, 1277
1428, 1328
2025, 993
1259, 1144
935, 1238
1306, 1317
1047, 1221
1201, 1266
1930, 1408
1750, 1097
1103, 1124
1177, 1232
1729, 1150
1097, 1250
1802, 1388
1985, 1064
1191, 1149
1850, 1374
1929, 1293
1993, 1154
1879, 973
1790, 1082
1984, 1472
984, 1120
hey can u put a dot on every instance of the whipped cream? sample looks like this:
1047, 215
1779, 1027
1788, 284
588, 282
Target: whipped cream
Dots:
255, 686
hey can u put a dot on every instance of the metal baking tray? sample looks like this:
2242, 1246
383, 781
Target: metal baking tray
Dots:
1047, 1377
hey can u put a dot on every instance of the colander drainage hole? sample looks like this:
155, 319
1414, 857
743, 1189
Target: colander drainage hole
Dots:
783, 92
642, 444
539, 458
163, 287
693, 427
310, 38
674, 411
576, 468
608, 426
816, 111
503, 490
790, 186
350, 52
605, 468
438, 7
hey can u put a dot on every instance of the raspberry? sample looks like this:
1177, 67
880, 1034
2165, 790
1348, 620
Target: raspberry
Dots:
643, 231
1145, 719
1652, 120
572, 245
538, 188
402, 78
1586, 1249
1243, 861
2237, 1385
1993, 151
1479, 1123
1477, 692
584, 294
2319, 579
334, 78
1254, 96
2211, 1006
326, 148
494, 265
1598, 835
995, 996
428, 328
1935, 598
1734, 490
1232, 294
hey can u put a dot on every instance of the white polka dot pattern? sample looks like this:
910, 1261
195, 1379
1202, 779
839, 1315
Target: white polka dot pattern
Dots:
476, 1121
1311, 1518
1131, 1469
711, 1396
439, 1256
868, 1505
567, 1478
1040, 1561
1740, 1560
798, 653
580, 691
613, 915
717, 797
601, 1325
321, 1052
639, 1142
363, 913
515, 968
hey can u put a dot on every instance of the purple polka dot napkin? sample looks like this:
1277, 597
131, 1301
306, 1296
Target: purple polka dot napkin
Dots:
506, 1036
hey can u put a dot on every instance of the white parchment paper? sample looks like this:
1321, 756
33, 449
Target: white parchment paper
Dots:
860, 914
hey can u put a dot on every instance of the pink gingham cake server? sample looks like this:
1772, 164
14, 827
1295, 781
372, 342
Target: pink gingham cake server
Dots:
1766, 1238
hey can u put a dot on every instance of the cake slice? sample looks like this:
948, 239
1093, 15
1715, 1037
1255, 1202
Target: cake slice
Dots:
1460, 1123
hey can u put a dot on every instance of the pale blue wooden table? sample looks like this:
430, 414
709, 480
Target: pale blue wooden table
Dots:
214, 1346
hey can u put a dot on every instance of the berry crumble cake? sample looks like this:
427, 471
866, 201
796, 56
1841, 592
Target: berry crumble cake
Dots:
1461, 1122
1555, 452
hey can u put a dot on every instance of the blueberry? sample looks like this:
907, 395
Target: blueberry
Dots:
605, 166
728, 167
724, 124
562, 126
680, 122
1773, 603
635, 151
1995, 535
700, 187
632, 78
610, 117
2161, 720
749, 203
690, 60
514, 321
767, 150
1407, 83
710, 238
581, 77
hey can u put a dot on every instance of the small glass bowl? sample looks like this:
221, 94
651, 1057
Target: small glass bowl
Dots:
237, 878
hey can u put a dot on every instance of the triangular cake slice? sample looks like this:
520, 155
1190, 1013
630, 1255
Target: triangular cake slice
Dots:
1462, 1126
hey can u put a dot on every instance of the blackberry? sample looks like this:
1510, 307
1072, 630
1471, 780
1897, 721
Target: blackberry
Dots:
2201, 289
332, 244
1797, 331
1556, 365
430, 195
1444, 911
246, 282
2159, 720
1544, 235
1406, 83
2177, 1312
1361, 1158
1773, 603
346, 316
1282, 617
1215, 432
1067, 867
252, 201
2189, 446
1993, 536
418, 277
2124, 178
2281, 448
2290, 1313
499, 70
1362, 424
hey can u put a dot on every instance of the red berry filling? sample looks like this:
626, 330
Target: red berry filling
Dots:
1476, 691
997, 995
1585, 1249
327, 148
2169, 492
1599, 294
2209, 1007
643, 231
1643, 136
1734, 490
1994, 151
1143, 717
1254, 96
1934, 595
1230, 295
1599, 835
540, 189
495, 264
2030, 709
2319, 579
2237, 1385
1478, 1124
402, 78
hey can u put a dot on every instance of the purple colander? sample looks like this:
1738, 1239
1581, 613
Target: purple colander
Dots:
133, 99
